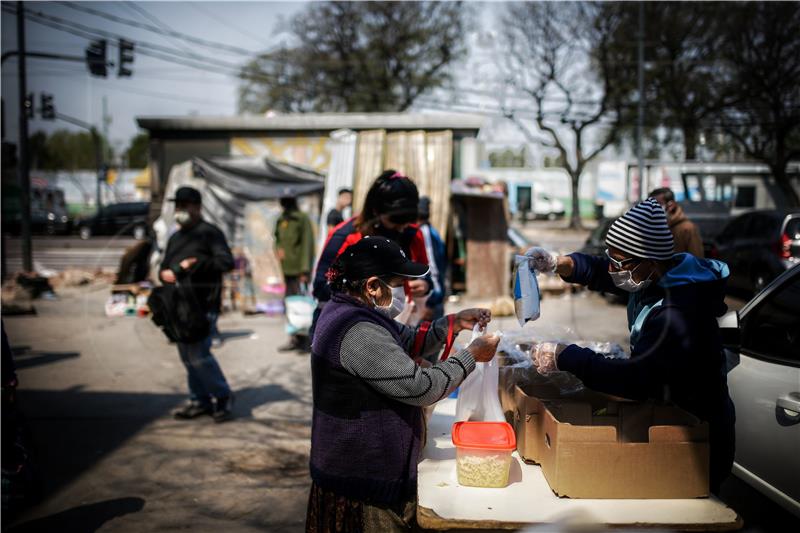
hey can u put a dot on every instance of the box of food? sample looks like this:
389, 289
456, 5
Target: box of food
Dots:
483, 453
623, 450
528, 404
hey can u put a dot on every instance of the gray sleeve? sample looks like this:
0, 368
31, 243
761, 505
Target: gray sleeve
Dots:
434, 339
370, 352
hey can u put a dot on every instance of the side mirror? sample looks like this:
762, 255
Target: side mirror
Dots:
729, 330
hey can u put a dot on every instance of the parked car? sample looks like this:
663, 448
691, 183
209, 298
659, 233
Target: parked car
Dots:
128, 218
596, 242
758, 247
763, 352
547, 207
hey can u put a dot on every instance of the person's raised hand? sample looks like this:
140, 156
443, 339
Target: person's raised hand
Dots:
542, 260
468, 318
187, 263
167, 276
483, 348
419, 287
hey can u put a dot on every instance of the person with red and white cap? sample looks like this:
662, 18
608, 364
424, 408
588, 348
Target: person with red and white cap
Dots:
673, 304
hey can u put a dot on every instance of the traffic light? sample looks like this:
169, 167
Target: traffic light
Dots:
111, 176
125, 57
96, 58
48, 108
29, 106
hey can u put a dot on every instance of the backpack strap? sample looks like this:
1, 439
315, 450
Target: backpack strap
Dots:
451, 329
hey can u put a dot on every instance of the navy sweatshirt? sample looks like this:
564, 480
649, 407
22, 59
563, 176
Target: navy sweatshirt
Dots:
676, 352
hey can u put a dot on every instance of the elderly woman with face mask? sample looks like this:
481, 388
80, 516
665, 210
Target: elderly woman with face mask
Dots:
673, 304
368, 392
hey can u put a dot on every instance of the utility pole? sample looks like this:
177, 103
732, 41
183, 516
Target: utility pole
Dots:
22, 164
106, 123
640, 118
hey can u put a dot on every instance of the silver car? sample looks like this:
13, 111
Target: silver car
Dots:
763, 350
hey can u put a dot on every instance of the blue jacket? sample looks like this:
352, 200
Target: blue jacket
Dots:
439, 259
676, 352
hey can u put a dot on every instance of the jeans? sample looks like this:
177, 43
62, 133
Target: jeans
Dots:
205, 377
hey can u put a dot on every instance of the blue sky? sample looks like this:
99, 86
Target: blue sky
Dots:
157, 87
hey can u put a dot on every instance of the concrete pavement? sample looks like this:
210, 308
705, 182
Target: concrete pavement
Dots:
98, 393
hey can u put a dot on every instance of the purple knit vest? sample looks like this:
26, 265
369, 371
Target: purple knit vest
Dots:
364, 445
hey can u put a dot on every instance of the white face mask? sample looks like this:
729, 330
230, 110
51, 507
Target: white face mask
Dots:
624, 280
182, 217
397, 304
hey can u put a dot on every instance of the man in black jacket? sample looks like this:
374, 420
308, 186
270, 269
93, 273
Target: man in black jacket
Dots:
197, 255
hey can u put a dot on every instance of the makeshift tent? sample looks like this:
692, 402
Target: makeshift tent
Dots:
236, 195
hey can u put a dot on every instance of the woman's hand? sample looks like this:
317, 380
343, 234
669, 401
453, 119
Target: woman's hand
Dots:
418, 287
467, 318
483, 348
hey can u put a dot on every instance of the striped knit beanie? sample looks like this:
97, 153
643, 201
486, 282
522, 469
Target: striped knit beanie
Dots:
642, 232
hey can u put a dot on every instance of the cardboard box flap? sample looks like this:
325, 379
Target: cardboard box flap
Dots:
575, 423
697, 433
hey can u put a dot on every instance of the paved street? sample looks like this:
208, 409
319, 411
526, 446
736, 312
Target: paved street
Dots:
98, 394
65, 252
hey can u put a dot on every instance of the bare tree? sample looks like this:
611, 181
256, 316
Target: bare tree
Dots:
557, 56
762, 53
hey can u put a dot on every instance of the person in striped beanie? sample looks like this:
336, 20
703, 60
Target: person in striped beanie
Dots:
673, 304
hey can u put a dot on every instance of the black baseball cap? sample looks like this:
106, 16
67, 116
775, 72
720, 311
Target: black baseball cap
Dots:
187, 195
379, 256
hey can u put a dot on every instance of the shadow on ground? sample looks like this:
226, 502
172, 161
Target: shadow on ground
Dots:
84, 518
74, 429
24, 357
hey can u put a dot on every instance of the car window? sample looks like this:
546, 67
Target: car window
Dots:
745, 196
764, 226
772, 330
735, 229
792, 229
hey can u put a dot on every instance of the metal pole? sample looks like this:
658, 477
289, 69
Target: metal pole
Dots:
98, 159
640, 119
22, 164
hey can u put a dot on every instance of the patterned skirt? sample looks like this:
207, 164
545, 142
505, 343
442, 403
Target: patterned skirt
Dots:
329, 512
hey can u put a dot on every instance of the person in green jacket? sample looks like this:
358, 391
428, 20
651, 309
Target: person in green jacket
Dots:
294, 247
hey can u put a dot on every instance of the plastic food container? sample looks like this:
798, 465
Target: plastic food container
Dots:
483, 453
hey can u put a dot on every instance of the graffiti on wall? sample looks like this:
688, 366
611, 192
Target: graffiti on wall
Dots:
313, 152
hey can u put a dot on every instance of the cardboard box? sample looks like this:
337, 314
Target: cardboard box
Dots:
625, 450
528, 404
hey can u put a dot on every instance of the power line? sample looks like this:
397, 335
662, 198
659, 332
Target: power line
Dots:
146, 14
198, 6
155, 29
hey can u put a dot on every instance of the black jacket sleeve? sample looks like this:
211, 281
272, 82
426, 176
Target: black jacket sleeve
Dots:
219, 259
592, 272
656, 359
321, 290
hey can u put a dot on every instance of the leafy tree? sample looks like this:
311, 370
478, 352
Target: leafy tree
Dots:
63, 150
357, 56
137, 152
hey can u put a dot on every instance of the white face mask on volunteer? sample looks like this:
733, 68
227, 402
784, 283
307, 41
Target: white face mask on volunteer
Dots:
397, 304
624, 280
182, 218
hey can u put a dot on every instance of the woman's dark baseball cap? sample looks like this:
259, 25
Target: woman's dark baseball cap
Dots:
379, 256
187, 195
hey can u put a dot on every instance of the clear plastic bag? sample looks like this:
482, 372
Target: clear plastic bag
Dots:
478, 397
526, 291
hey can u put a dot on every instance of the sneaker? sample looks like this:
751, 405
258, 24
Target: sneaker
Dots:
222, 409
192, 410
291, 346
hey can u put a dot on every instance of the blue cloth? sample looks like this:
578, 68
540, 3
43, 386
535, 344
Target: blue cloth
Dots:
436, 298
205, 377
676, 353
364, 445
